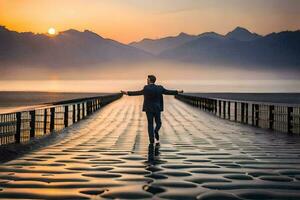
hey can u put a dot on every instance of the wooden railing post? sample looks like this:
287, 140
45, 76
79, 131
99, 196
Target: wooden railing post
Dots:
252, 113
220, 108
216, 106
271, 117
32, 123
242, 112
18, 127
78, 112
88, 108
207, 105
45, 120
228, 109
74, 113
290, 119
224, 109
200, 103
92, 106
256, 108
66, 116
83, 110
246, 113
52, 119
235, 111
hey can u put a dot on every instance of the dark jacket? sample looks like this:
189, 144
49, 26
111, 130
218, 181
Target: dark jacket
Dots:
153, 97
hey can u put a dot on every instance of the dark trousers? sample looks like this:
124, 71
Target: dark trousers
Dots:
153, 132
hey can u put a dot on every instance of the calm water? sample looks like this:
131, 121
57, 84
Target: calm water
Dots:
186, 85
14, 101
60, 90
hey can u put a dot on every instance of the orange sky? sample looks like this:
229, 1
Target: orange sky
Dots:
132, 20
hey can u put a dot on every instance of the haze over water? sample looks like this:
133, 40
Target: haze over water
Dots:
117, 85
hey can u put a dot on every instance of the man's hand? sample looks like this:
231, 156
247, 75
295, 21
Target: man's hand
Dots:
180, 91
124, 92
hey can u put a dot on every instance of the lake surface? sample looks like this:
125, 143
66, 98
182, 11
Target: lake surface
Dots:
14, 101
36, 92
95, 86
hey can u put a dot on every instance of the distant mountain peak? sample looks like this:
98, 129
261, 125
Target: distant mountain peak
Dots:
242, 34
4, 29
211, 34
241, 29
156, 46
71, 31
85, 33
91, 33
183, 34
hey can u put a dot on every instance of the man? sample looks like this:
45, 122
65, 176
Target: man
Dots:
153, 104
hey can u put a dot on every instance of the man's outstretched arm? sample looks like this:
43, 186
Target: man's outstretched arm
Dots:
133, 93
171, 92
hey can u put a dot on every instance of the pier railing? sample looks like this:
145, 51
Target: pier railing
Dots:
21, 127
274, 116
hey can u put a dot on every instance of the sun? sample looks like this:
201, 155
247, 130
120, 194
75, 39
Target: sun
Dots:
51, 31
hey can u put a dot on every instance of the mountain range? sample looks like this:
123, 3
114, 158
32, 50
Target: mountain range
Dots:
271, 51
158, 46
69, 47
74, 48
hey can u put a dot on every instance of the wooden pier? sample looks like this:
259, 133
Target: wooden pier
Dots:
200, 156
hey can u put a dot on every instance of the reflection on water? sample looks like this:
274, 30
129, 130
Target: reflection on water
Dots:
153, 153
186, 85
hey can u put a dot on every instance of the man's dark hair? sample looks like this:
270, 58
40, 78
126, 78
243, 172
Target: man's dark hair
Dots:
152, 78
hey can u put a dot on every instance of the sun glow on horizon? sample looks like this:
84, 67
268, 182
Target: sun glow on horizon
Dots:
51, 31
119, 19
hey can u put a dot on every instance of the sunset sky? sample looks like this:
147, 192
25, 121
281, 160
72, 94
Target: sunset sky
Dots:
133, 20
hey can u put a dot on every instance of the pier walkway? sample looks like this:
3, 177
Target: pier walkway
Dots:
200, 156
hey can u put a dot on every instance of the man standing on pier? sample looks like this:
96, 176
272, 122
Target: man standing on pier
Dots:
153, 104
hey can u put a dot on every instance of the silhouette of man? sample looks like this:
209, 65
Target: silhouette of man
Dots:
153, 104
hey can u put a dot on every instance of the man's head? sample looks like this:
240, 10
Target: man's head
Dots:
151, 79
